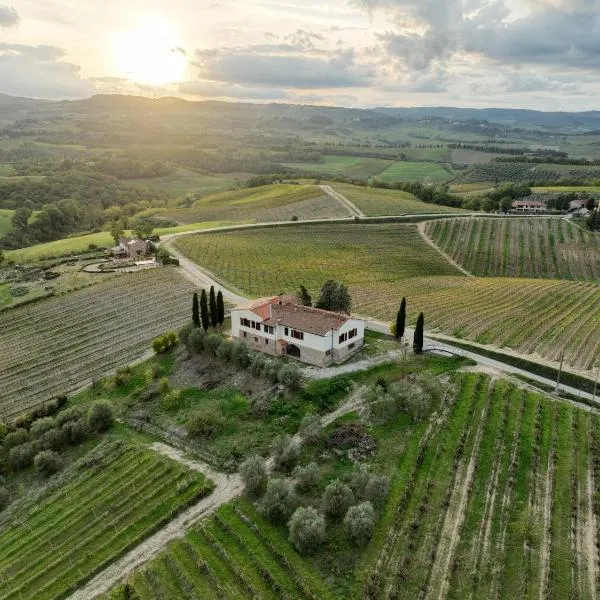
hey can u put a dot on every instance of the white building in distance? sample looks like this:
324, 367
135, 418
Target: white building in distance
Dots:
278, 326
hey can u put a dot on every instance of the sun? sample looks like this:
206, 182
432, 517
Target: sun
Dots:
151, 55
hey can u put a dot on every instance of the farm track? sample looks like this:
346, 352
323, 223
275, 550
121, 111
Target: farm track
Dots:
422, 230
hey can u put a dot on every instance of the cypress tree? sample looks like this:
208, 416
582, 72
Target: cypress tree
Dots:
212, 306
204, 315
401, 320
195, 311
418, 339
220, 308
305, 297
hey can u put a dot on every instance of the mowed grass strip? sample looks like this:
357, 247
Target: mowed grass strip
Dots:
278, 202
377, 202
57, 344
382, 263
533, 247
40, 562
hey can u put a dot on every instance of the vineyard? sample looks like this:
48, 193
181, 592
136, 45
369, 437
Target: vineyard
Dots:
416, 171
525, 172
358, 167
50, 546
50, 347
264, 204
496, 499
376, 202
235, 554
382, 263
547, 248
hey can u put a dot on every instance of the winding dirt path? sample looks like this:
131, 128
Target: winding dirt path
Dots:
347, 204
421, 228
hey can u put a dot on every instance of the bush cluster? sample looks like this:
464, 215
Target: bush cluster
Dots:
238, 353
165, 342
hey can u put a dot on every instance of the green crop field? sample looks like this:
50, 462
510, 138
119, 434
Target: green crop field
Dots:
382, 263
349, 166
55, 345
5, 221
376, 202
263, 204
528, 247
184, 182
416, 171
50, 546
235, 554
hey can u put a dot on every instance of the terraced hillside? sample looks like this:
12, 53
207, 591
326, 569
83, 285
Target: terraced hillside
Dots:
383, 263
51, 544
235, 554
52, 346
376, 202
529, 247
263, 204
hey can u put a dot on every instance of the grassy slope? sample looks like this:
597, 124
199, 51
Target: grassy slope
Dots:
382, 263
5, 221
349, 166
415, 171
184, 182
380, 202
540, 248
55, 345
267, 203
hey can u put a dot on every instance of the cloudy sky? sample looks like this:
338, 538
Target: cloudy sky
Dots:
542, 54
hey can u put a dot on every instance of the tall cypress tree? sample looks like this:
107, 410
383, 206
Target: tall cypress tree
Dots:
204, 315
418, 339
220, 308
401, 320
212, 306
195, 311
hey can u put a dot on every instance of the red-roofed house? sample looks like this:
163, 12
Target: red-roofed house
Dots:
528, 206
278, 326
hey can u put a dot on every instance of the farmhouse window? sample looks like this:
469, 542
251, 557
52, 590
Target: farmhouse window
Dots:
246, 322
286, 331
266, 342
257, 326
298, 335
352, 333
268, 329
245, 334
328, 353
351, 346
343, 338
255, 339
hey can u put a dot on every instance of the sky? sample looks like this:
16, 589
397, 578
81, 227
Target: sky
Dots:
539, 54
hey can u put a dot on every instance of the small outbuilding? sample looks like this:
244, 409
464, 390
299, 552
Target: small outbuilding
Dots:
132, 249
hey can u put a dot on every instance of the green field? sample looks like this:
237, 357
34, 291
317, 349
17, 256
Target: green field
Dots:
50, 546
184, 182
349, 166
263, 204
594, 189
375, 202
416, 171
55, 345
382, 263
5, 221
528, 247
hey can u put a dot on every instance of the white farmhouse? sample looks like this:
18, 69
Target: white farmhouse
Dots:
279, 326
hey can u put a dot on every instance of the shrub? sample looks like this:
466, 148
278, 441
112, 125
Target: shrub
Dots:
286, 452
47, 463
289, 375
206, 423
359, 479
254, 474
307, 530
337, 498
212, 343
122, 376
75, 431
196, 340
377, 489
184, 334
240, 354
165, 342
15, 438
258, 364
70, 414
306, 477
3, 430
41, 426
21, 457
359, 522
279, 500
4, 498
224, 350
54, 439
100, 417
311, 429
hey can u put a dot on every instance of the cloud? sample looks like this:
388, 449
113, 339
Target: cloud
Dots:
246, 67
212, 89
9, 17
39, 71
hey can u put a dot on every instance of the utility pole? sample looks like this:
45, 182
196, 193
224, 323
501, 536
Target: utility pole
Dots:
562, 357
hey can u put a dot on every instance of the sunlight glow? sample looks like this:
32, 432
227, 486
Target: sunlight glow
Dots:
151, 55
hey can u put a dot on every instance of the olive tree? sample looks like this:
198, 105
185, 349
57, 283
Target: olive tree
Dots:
307, 529
100, 417
359, 522
286, 452
337, 498
306, 477
254, 474
47, 463
279, 500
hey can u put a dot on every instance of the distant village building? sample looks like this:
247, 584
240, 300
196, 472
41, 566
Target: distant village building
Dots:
132, 249
278, 326
528, 206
